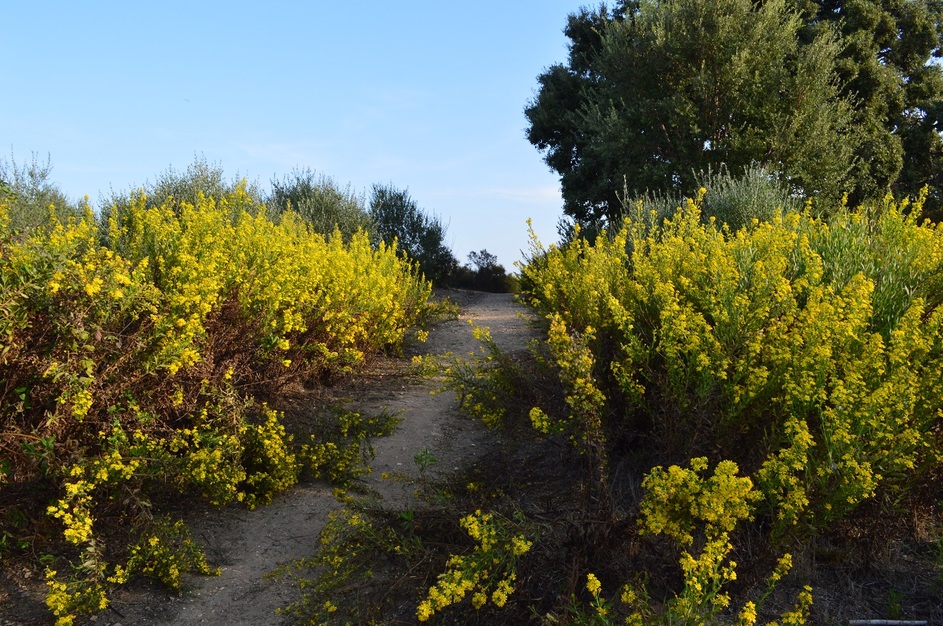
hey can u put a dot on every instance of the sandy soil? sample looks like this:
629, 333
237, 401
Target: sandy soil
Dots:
249, 544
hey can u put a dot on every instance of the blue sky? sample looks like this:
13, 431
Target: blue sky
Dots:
427, 96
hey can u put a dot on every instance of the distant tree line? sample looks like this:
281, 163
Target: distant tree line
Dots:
484, 273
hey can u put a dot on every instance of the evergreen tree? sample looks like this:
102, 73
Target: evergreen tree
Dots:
656, 91
887, 64
396, 216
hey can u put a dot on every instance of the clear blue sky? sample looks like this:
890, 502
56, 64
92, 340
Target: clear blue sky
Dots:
428, 96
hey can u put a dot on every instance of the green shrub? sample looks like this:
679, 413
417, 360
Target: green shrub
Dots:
32, 199
320, 202
755, 194
174, 189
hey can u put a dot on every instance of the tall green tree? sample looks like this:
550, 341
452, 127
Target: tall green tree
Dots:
396, 216
888, 65
656, 91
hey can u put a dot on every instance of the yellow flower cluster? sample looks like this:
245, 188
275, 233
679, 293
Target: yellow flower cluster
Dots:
74, 509
67, 599
165, 555
488, 572
678, 500
271, 465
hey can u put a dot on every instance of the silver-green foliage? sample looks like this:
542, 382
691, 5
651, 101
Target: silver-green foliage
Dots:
201, 178
321, 202
32, 198
731, 200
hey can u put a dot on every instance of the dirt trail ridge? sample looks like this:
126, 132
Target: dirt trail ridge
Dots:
248, 544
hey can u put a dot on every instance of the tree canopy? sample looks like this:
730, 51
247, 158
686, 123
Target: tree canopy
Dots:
655, 92
321, 202
421, 237
887, 64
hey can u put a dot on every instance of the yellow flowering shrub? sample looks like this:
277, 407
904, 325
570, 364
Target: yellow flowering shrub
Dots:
165, 553
575, 361
271, 465
487, 573
340, 583
810, 351
807, 351
332, 300
339, 451
491, 384
125, 357
698, 513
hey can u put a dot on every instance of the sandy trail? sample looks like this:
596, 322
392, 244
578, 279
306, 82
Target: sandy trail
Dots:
248, 544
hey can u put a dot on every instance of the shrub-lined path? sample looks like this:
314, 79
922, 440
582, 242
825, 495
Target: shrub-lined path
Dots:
249, 544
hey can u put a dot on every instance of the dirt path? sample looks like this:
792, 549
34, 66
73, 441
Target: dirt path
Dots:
248, 544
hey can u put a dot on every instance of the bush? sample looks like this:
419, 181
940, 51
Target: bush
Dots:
320, 203
809, 351
119, 365
32, 200
754, 195
173, 189
806, 351
736, 201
